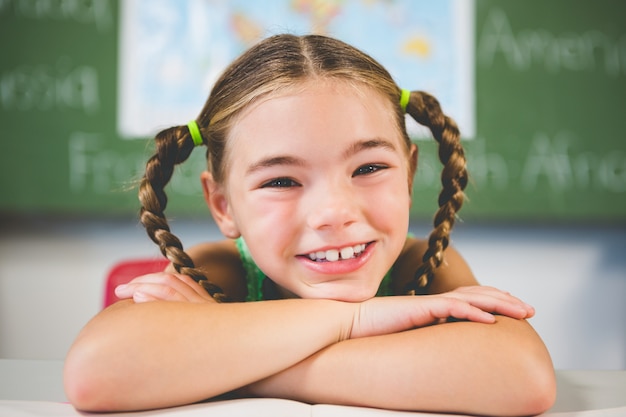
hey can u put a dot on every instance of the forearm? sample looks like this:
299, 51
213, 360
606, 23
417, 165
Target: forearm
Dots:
161, 354
498, 369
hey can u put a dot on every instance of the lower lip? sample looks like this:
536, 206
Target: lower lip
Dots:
341, 266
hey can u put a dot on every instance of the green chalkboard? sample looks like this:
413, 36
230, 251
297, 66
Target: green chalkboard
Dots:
550, 99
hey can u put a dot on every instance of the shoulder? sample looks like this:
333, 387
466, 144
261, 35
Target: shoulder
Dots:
222, 264
453, 273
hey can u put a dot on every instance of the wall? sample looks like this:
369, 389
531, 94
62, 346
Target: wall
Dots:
52, 275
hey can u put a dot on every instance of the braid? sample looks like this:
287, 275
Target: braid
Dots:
425, 110
173, 146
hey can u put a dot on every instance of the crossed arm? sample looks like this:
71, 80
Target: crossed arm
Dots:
468, 368
384, 352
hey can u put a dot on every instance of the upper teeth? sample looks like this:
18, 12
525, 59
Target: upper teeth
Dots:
333, 255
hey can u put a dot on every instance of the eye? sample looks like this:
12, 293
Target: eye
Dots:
368, 169
280, 183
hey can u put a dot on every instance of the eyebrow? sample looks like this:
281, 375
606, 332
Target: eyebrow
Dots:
275, 161
363, 145
288, 160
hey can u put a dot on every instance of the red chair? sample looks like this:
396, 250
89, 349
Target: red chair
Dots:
124, 271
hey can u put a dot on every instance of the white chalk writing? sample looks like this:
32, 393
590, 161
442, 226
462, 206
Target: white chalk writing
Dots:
95, 168
553, 160
588, 51
47, 87
90, 12
549, 162
92, 167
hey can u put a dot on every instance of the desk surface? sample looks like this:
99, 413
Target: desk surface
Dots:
579, 393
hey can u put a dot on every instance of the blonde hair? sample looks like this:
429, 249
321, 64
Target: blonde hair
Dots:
271, 66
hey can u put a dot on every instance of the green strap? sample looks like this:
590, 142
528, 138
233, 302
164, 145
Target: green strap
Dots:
254, 276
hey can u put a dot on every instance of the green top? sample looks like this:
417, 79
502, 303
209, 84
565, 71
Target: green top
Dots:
260, 289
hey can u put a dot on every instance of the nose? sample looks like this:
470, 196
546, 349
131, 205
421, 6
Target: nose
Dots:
332, 207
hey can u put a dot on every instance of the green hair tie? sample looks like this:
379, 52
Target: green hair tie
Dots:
404, 99
195, 133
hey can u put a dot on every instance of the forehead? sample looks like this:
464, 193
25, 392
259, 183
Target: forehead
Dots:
312, 107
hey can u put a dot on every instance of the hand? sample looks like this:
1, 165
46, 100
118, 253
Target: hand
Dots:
165, 287
383, 315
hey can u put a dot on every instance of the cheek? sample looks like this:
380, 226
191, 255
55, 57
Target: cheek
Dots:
390, 202
267, 213
266, 225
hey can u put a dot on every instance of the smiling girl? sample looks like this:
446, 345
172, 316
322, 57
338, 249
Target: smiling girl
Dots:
310, 175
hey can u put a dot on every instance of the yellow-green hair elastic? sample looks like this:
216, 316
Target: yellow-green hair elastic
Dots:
404, 99
195, 133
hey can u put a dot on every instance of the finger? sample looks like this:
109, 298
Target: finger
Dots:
494, 301
183, 283
165, 286
459, 309
195, 286
124, 291
154, 292
178, 283
510, 305
142, 297
504, 295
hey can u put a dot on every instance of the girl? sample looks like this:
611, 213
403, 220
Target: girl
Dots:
310, 175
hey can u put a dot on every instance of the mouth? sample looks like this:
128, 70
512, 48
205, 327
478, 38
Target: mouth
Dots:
334, 255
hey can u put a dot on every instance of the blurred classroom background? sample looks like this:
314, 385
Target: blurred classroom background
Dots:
538, 89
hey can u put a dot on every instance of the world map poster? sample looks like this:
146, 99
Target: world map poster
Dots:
172, 51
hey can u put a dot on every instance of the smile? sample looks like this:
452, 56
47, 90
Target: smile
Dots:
333, 255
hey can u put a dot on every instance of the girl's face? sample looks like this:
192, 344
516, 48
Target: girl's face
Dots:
318, 186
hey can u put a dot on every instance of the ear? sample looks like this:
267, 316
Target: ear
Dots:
217, 201
413, 154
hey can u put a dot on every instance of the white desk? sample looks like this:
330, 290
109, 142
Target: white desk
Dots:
35, 388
